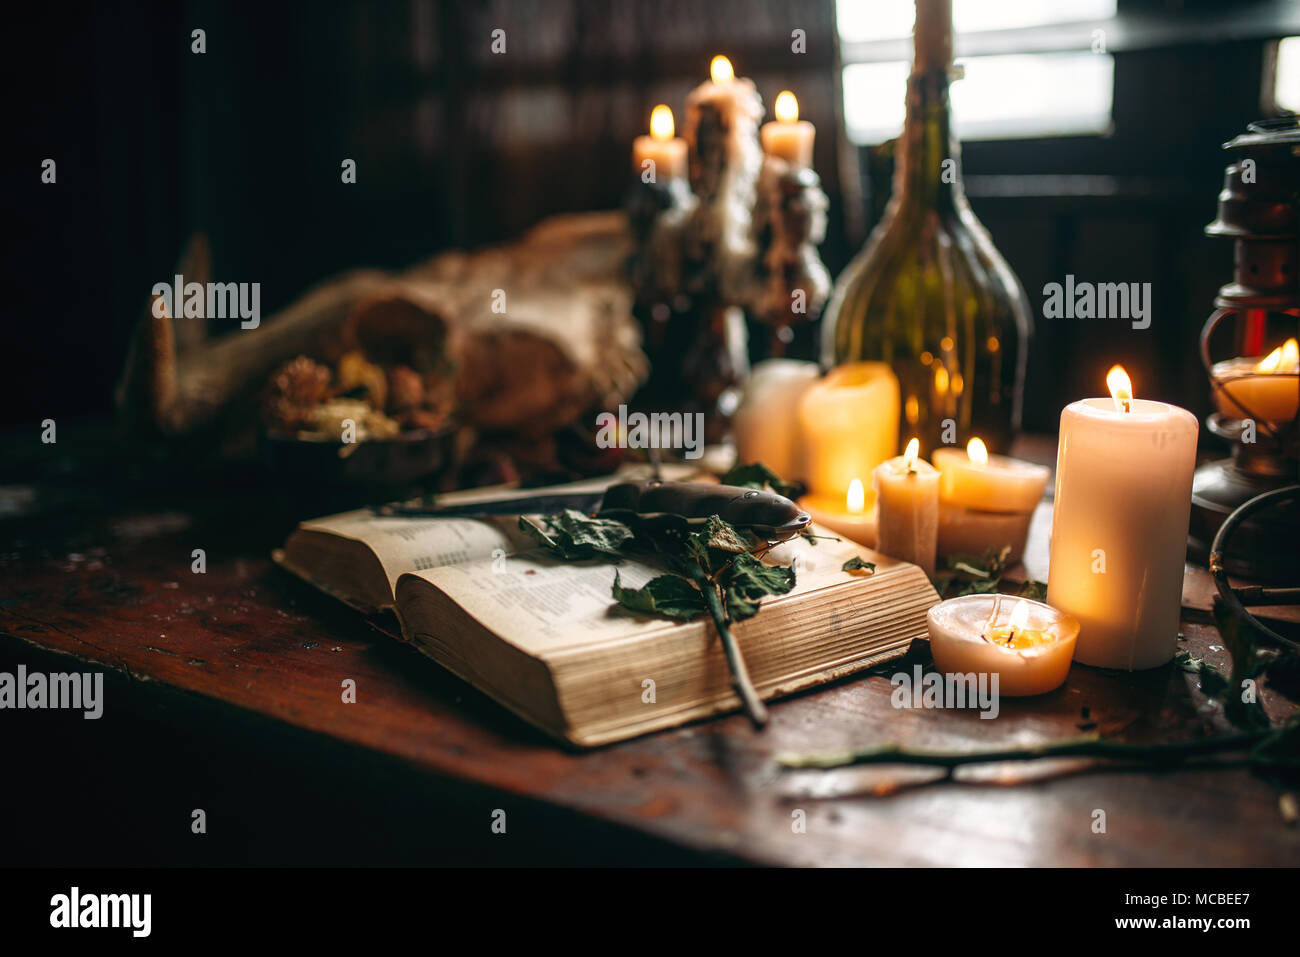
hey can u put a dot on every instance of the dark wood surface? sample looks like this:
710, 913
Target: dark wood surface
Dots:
106, 579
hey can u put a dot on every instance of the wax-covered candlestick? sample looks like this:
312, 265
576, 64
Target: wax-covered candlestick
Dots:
1119, 525
721, 131
1027, 644
659, 155
788, 137
907, 508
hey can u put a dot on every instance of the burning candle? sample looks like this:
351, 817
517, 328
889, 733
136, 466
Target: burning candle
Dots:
985, 501
1027, 644
991, 483
666, 153
907, 508
1268, 388
1119, 526
788, 137
722, 116
854, 517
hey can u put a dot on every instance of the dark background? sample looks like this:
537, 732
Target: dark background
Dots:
456, 147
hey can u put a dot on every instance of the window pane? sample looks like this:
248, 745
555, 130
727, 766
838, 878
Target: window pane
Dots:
1286, 83
865, 20
1001, 97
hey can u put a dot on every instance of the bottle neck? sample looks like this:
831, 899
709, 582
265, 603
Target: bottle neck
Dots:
927, 172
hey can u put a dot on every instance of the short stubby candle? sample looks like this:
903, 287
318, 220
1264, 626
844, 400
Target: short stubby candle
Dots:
986, 501
1027, 644
788, 137
907, 508
666, 153
1267, 388
972, 478
1119, 525
854, 517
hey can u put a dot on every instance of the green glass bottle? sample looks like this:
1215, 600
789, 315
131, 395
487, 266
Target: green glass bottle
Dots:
929, 293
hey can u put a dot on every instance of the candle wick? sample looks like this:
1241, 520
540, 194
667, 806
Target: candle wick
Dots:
993, 616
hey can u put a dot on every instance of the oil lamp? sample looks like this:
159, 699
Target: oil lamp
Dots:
1256, 392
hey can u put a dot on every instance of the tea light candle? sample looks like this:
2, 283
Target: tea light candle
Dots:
854, 517
788, 137
766, 424
1266, 389
1119, 527
907, 508
992, 483
849, 422
1027, 644
667, 152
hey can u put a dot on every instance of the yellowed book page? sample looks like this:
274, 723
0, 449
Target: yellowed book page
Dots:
409, 544
543, 605
404, 544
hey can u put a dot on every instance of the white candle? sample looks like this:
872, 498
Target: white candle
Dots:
1268, 387
907, 508
1119, 526
1027, 644
766, 425
788, 137
666, 152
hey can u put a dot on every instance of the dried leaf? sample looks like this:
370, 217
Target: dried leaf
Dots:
574, 535
747, 580
1035, 590
757, 475
856, 564
670, 596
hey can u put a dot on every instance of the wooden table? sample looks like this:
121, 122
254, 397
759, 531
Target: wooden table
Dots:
223, 693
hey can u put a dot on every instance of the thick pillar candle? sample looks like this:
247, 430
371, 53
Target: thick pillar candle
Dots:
1119, 526
766, 426
849, 423
907, 508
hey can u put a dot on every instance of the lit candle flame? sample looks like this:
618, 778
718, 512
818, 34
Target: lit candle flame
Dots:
1019, 617
720, 70
1121, 388
661, 123
786, 107
856, 500
1282, 358
977, 452
911, 454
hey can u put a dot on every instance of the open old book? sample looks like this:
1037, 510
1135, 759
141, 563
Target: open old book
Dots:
545, 638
